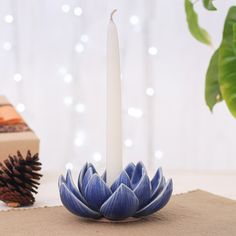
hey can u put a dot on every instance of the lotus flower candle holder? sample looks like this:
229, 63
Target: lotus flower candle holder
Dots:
131, 195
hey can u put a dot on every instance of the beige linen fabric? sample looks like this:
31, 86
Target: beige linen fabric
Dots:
194, 213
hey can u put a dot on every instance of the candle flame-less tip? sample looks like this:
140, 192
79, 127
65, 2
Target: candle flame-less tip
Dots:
112, 13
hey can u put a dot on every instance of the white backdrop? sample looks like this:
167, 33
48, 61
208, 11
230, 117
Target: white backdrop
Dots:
53, 68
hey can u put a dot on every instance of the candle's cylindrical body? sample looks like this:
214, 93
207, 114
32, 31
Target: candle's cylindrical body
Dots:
114, 121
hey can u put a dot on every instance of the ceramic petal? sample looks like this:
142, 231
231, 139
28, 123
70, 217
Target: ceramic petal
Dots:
143, 191
157, 183
87, 176
159, 188
137, 174
97, 192
130, 169
104, 176
61, 180
123, 178
92, 166
83, 172
159, 202
74, 205
81, 176
70, 184
123, 203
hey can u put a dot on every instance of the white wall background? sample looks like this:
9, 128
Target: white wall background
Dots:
60, 70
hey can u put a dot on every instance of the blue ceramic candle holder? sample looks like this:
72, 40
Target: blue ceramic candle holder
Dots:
131, 195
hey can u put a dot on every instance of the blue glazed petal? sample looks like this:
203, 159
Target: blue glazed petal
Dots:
159, 188
74, 205
97, 192
143, 191
88, 175
70, 184
156, 183
130, 169
123, 178
92, 166
137, 174
104, 176
81, 176
61, 180
122, 204
163, 183
83, 172
159, 202
156, 179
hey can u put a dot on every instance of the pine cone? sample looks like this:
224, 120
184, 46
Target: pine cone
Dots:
19, 179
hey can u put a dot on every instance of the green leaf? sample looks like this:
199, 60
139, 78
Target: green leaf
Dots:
208, 4
227, 63
192, 19
234, 37
212, 87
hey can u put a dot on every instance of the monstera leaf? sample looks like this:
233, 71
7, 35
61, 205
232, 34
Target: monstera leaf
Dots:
208, 4
227, 62
192, 19
212, 87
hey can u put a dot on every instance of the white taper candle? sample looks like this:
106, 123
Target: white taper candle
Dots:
114, 111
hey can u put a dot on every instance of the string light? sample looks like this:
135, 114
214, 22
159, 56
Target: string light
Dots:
7, 46
135, 112
84, 38
68, 78
158, 154
152, 51
79, 139
9, 19
128, 143
150, 92
97, 156
65, 8
17, 77
78, 11
134, 20
79, 47
20, 107
69, 166
68, 100
80, 108
78, 142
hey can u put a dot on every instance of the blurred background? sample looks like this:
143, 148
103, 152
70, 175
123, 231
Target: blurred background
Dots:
53, 69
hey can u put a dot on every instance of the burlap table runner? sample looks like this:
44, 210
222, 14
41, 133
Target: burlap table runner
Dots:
194, 213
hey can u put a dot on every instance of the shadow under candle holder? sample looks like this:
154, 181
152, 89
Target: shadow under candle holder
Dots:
132, 196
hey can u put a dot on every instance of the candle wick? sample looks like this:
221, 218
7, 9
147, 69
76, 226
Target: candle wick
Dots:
112, 13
